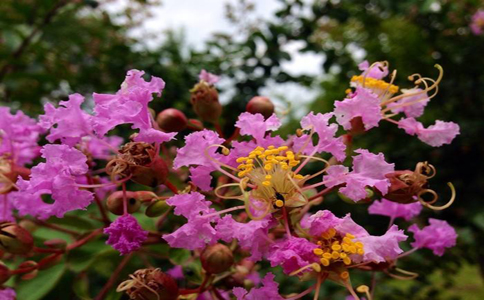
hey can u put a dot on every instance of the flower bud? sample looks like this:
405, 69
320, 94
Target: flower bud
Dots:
172, 120
157, 208
4, 273
217, 258
14, 239
150, 284
261, 105
140, 161
115, 202
204, 98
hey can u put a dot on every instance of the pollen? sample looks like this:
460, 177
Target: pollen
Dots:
279, 203
334, 248
375, 84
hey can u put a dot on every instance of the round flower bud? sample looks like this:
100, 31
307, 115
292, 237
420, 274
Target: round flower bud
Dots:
4, 273
14, 239
172, 120
150, 284
204, 98
261, 105
217, 258
157, 208
116, 206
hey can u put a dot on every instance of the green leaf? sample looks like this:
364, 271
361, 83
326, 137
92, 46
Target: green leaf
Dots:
38, 287
179, 256
82, 258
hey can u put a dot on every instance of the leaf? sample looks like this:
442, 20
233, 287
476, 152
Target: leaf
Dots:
179, 256
82, 258
38, 287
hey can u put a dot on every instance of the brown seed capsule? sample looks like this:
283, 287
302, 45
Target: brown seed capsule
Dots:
140, 161
405, 185
217, 258
204, 98
115, 202
150, 284
261, 105
14, 239
172, 120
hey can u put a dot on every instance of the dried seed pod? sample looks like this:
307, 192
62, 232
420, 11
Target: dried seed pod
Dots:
150, 284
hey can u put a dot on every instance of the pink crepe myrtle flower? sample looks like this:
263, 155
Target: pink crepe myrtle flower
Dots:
255, 125
222, 295
378, 71
101, 148
413, 105
198, 231
437, 236
200, 176
269, 290
55, 177
327, 142
176, 272
436, 135
125, 234
130, 105
19, 135
7, 294
6, 209
208, 77
252, 236
477, 22
67, 123
368, 170
362, 103
292, 254
395, 210
196, 145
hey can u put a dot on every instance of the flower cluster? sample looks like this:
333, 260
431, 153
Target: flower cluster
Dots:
255, 194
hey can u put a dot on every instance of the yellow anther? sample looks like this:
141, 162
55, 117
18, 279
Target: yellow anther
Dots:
279, 203
352, 249
363, 289
282, 148
225, 151
347, 240
344, 275
268, 167
294, 163
327, 255
347, 91
241, 173
284, 166
332, 232
343, 255
271, 147
336, 247
249, 161
347, 260
359, 245
268, 177
325, 262
361, 251
318, 251
241, 166
335, 255
350, 235
298, 176
252, 155
346, 248
266, 183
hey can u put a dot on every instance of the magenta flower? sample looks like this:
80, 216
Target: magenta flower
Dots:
382, 248
320, 222
208, 77
477, 22
130, 105
125, 234
362, 103
437, 236
189, 205
201, 177
55, 177
196, 144
378, 71
436, 135
411, 106
327, 142
176, 272
255, 125
269, 290
292, 254
395, 210
101, 148
6, 207
252, 236
67, 123
19, 135
7, 294
368, 170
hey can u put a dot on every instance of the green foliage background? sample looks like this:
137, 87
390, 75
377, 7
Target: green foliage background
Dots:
52, 48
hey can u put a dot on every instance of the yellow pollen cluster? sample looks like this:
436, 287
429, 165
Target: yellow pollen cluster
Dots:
268, 159
334, 249
373, 83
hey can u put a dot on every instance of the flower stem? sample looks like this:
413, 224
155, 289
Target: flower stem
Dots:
113, 277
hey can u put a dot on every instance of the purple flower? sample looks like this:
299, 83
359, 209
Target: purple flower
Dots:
411, 106
292, 254
256, 126
102, 148
196, 144
364, 104
7, 294
6, 207
269, 290
201, 177
67, 123
19, 135
208, 77
435, 135
378, 71
55, 177
176, 272
437, 236
327, 141
130, 105
477, 22
251, 236
320, 222
368, 170
395, 210
125, 234
382, 248
189, 205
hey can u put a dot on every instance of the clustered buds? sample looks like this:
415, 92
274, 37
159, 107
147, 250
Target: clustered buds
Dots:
204, 98
150, 284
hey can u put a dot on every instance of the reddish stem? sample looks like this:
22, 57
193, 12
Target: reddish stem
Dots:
233, 136
171, 186
99, 203
113, 277
219, 129
322, 193
84, 240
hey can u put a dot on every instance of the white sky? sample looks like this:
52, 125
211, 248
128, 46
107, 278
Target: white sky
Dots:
199, 19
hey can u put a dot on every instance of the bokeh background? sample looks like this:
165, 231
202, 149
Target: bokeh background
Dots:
300, 53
